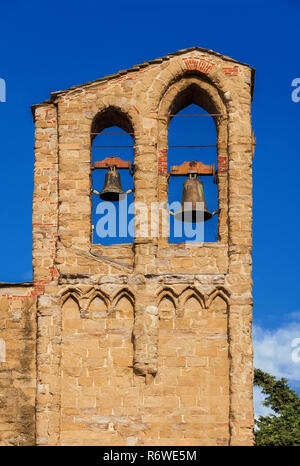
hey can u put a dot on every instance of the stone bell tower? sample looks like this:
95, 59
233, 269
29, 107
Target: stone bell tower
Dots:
146, 343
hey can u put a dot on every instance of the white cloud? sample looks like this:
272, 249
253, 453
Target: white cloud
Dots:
273, 353
273, 350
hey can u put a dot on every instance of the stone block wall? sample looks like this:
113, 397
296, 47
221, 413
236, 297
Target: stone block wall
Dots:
146, 343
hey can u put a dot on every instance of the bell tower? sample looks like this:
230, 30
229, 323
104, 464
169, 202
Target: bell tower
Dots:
144, 343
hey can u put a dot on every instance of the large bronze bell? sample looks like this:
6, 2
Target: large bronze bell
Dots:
112, 186
192, 192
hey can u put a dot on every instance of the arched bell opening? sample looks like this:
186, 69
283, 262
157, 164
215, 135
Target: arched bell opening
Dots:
112, 136
194, 94
192, 126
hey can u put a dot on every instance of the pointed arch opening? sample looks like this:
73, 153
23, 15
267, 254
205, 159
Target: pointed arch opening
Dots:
162, 292
192, 307
193, 114
97, 307
70, 313
123, 304
70, 300
191, 303
192, 126
112, 135
167, 307
124, 307
219, 292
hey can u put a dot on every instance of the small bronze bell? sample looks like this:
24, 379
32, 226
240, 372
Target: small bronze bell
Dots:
112, 185
192, 192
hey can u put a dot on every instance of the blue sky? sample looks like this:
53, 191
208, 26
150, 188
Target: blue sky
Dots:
50, 47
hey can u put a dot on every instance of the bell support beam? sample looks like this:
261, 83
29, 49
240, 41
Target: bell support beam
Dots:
198, 168
111, 162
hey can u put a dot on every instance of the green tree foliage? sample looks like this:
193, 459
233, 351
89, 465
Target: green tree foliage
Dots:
283, 427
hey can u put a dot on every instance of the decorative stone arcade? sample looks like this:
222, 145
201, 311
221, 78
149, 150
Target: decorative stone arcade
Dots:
146, 343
